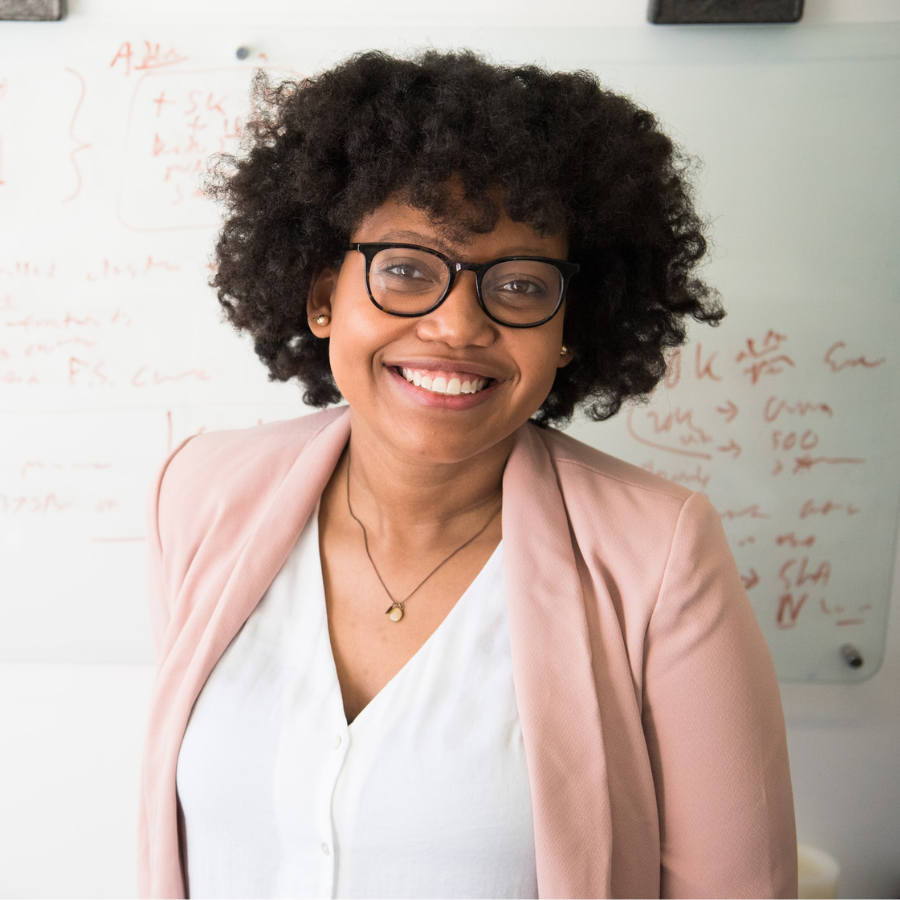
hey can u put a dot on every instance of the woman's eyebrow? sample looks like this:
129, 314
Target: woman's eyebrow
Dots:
415, 237
452, 250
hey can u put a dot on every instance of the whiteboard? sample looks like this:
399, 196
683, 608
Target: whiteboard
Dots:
112, 349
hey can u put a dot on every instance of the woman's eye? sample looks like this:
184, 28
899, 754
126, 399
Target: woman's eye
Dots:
521, 289
403, 270
520, 286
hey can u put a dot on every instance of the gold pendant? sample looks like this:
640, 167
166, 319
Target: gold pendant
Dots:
395, 612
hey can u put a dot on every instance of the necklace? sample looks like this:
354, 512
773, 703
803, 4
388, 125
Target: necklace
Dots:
395, 611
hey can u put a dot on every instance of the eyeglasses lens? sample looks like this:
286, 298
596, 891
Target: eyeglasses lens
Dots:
519, 292
407, 281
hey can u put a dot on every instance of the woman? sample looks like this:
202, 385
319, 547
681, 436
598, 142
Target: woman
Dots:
424, 645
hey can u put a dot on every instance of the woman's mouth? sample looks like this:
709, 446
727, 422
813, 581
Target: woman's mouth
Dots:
451, 383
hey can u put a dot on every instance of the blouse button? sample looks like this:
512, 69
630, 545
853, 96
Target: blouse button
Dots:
336, 742
326, 849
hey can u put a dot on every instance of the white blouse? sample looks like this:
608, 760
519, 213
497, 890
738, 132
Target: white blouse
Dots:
425, 794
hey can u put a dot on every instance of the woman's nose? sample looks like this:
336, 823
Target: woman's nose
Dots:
459, 321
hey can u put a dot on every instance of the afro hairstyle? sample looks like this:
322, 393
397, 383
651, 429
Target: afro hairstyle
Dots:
555, 148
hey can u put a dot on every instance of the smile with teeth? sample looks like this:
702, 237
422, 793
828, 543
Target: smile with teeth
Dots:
447, 383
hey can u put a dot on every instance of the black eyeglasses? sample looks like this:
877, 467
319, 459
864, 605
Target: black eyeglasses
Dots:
516, 291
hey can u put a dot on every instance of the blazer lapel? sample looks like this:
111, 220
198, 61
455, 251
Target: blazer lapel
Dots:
271, 542
552, 669
256, 566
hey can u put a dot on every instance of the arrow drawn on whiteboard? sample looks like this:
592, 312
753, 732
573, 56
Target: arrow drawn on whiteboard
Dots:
729, 410
731, 447
81, 145
807, 461
750, 580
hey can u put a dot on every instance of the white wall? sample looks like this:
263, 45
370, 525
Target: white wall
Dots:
70, 755
72, 733
845, 762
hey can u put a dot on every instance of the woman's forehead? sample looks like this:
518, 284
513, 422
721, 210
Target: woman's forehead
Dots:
397, 220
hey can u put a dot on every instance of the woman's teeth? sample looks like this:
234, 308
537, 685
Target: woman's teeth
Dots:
439, 384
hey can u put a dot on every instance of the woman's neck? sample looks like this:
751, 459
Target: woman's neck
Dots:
396, 493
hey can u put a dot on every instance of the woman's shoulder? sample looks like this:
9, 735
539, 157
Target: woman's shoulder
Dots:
621, 506
594, 471
212, 472
269, 449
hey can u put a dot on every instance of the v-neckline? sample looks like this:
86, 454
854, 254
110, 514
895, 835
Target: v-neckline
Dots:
445, 625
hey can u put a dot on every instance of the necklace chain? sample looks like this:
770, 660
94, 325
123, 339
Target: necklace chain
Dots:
395, 611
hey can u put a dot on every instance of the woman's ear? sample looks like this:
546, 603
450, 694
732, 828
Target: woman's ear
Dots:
319, 301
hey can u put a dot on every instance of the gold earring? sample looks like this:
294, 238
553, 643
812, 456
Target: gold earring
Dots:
322, 320
564, 350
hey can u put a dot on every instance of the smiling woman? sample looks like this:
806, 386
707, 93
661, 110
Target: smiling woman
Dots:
425, 645
450, 341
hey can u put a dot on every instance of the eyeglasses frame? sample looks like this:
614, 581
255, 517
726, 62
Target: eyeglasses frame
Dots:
565, 268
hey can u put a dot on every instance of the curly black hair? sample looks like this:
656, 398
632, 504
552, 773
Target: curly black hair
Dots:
561, 152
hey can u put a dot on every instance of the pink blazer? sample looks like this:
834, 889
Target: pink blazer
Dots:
648, 702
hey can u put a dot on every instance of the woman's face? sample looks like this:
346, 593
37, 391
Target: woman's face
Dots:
376, 357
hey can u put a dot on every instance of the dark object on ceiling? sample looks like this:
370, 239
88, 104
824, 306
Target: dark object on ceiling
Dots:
33, 10
723, 12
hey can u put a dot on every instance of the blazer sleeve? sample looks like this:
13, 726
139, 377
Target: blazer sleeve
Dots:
715, 727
